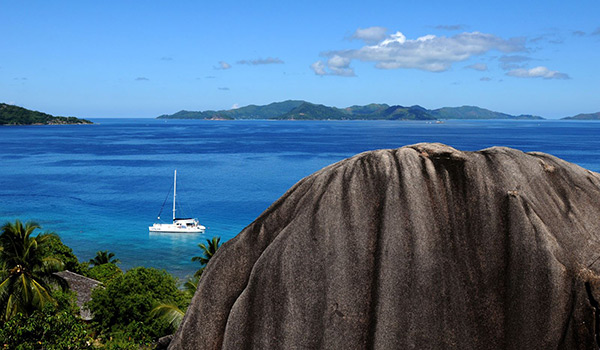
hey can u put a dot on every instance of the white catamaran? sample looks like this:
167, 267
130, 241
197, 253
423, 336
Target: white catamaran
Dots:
179, 225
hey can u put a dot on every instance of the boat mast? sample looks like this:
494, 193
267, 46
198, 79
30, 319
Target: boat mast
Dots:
174, 193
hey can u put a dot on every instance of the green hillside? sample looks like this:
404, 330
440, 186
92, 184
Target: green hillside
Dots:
271, 110
302, 110
584, 116
472, 112
310, 111
404, 113
368, 109
15, 115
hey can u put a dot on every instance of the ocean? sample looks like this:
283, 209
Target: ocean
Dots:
100, 186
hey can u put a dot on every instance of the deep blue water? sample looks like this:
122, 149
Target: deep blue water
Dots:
101, 186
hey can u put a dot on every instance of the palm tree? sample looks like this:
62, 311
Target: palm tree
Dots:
104, 257
208, 250
170, 313
25, 274
190, 286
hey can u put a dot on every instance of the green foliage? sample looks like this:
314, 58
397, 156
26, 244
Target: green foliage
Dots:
172, 314
47, 328
190, 286
367, 109
26, 273
310, 111
54, 247
104, 273
271, 110
301, 110
123, 340
208, 250
14, 115
104, 257
473, 112
584, 116
124, 306
168, 313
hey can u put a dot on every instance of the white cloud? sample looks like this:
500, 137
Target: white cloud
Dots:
319, 68
369, 35
336, 65
259, 61
429, 52
537, 72
478, 66
235, 106
223, 65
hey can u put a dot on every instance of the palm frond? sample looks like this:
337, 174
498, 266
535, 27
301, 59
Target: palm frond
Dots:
168, 313
191, 285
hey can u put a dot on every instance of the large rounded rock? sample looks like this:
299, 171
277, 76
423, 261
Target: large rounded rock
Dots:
421, 247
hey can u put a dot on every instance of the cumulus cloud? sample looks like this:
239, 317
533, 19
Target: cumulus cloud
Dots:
223, 65
450, 27
141, 79
235, 106
336, 65
478, 66
537, 72
319, 68
429, 52
369, 35
259, 61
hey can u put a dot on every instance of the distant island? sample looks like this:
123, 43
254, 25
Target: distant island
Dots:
302, 110
15, 115
584, 116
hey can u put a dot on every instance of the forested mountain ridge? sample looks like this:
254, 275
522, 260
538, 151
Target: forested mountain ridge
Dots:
302, 110
15, 115
584, 116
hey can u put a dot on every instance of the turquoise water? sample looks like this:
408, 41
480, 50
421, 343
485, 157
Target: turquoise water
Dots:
101, 186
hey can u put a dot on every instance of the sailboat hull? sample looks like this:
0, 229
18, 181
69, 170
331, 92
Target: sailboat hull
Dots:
176, 228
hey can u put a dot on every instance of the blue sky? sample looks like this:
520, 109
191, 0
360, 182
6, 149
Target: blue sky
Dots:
146, 58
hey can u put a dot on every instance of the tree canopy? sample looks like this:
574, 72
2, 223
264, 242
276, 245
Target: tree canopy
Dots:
26, 273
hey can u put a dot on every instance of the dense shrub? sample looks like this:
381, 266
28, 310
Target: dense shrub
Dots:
56, 248
47, 328
104, 273
123, 307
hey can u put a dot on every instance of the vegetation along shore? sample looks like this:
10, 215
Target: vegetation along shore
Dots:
51, 300
15, 115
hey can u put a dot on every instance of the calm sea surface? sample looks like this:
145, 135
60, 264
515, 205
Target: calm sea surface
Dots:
100, 186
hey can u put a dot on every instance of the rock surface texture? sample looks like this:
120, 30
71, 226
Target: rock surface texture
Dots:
421, 247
